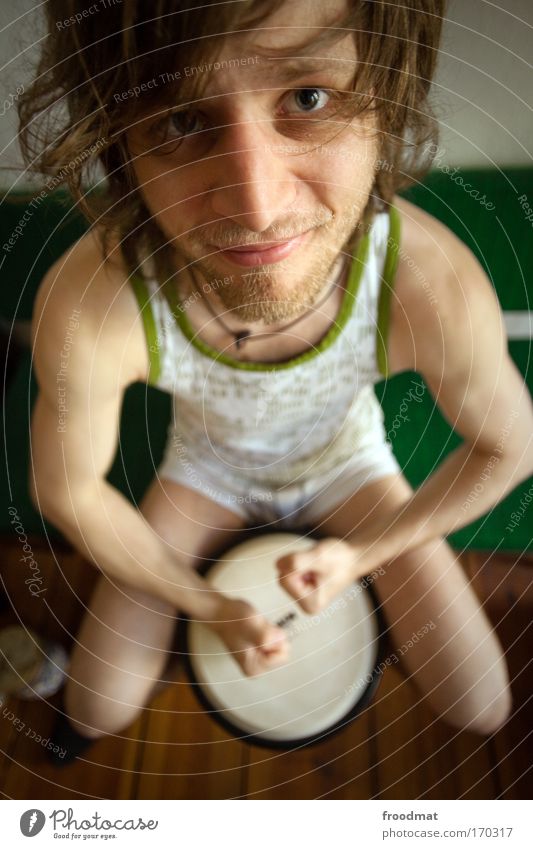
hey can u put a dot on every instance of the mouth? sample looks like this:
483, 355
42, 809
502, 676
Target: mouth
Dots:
261, 253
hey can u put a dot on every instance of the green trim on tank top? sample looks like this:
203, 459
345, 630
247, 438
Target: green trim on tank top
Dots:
150, 328
385, 293
350, 294
391, 260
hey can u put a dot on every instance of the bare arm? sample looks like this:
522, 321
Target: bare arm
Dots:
453, 334
89, 345
82, 372
459, 345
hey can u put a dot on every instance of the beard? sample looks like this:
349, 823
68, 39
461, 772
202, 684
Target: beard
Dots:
276, 292
260, 296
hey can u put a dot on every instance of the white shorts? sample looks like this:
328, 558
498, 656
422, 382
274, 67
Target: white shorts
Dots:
295, 506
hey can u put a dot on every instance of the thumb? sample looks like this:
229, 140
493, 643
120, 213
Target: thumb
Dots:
271, 649
296, 574
274, 641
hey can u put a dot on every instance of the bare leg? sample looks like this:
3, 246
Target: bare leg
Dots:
458, 665
125, 636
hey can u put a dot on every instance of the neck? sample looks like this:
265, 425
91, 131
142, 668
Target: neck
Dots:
336, 278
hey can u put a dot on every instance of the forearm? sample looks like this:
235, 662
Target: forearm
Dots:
465, 486
110, 532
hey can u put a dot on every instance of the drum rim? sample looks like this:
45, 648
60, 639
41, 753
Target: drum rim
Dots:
252, 739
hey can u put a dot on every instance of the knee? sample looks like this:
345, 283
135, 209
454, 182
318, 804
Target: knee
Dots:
482, 717
495, 715
94, 715
89, 731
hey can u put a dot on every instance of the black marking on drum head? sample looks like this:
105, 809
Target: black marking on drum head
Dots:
286, 619
221, 719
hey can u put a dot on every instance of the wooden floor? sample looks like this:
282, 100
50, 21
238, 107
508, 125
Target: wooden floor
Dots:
395, 750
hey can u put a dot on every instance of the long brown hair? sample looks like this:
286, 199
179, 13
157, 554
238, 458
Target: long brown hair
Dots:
70, 119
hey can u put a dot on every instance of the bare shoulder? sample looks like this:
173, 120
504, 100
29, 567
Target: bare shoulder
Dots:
96, 293
439, 286
449, 327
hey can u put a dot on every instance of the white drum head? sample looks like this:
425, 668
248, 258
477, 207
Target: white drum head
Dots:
331, 671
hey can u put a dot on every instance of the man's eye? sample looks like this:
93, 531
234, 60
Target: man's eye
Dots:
309, 99
184, 123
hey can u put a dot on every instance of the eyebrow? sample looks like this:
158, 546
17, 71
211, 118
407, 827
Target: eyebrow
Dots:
288, 68
286, 71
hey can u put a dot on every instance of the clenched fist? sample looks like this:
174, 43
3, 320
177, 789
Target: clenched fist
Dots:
256, 644
314, 577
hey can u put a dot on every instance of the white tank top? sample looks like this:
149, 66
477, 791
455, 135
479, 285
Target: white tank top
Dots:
276, 422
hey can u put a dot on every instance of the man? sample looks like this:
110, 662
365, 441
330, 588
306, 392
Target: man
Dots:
267, 285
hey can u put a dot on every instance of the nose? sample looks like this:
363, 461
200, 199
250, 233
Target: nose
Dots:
252, 185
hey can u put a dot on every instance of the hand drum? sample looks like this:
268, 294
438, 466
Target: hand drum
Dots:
333, 668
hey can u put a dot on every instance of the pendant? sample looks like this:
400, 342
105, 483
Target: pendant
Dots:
241, 337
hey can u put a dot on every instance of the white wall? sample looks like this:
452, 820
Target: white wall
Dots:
484, 85
21, 28
483, 92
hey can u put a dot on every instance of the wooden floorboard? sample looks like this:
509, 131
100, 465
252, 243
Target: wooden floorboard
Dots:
511, 613
401, 724
396, 748
339, 767
185, 753
105, 773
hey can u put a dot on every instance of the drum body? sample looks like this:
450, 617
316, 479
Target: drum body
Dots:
333, 668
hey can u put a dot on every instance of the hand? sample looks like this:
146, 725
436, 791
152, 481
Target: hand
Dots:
316, 576
254, 642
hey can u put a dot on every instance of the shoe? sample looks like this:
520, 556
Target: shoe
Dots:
69, 742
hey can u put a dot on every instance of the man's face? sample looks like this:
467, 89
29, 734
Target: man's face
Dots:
263, 159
